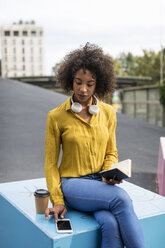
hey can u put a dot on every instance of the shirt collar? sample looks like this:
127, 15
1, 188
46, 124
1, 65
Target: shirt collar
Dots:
68, 104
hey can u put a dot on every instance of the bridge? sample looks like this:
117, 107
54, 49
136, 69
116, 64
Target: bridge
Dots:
50, 82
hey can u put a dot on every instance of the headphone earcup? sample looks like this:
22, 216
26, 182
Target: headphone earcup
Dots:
93, 109
76, 107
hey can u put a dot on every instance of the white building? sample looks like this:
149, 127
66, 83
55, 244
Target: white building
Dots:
22, 50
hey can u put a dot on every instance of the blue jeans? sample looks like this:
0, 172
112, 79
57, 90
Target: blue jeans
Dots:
111, 206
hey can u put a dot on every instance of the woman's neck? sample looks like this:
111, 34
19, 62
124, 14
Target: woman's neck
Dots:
84, 104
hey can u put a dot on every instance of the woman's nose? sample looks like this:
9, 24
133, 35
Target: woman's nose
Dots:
83, 88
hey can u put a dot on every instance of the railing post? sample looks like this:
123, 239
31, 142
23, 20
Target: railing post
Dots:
163, 116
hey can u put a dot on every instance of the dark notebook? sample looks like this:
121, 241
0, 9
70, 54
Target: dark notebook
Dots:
118, 171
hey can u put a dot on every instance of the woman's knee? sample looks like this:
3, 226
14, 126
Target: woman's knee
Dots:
122, 201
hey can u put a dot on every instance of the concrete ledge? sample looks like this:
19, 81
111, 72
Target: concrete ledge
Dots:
20, 227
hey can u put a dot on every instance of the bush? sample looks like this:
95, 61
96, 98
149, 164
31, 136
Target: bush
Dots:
162, 94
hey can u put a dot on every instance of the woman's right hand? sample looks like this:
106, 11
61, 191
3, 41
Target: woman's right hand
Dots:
111, 181
56, 210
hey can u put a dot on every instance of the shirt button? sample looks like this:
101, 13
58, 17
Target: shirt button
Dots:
93, 139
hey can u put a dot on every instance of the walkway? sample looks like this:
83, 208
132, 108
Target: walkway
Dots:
23, 112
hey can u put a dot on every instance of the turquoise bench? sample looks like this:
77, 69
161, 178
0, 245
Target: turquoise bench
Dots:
21, 227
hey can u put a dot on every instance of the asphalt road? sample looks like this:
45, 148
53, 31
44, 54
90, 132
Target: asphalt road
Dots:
23, 113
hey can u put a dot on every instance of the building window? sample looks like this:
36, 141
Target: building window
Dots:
23, 42
5, 50
5, 42
23, 50
6, 58
14, 50
23, 59
16, 33
33, 33
24, 33
23, 67
14, 42
41, 33
7, 33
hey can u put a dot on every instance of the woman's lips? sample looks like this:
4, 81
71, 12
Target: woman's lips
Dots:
82, 96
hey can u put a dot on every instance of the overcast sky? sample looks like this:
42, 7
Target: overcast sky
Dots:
117, 26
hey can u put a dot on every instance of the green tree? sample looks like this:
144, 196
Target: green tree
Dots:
117, 67
128, 63
125, 64
147, 65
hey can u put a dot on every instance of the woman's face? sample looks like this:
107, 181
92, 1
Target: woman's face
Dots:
84, 84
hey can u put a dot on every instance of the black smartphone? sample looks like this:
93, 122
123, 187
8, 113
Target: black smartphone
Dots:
64, 226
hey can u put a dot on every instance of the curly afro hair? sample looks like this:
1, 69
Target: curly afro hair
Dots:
92, 58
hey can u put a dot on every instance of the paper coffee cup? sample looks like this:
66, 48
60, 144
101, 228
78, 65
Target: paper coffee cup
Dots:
41, 200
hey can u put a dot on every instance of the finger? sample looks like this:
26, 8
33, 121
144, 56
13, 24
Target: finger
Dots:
116, 182
63, 213
103, 179
106, 180
111, 182
47, 213
56, 217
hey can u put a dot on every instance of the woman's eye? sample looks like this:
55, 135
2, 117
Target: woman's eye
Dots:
89, 85
78, 83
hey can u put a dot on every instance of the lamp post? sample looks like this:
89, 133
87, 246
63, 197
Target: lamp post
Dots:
161, 46
161, 66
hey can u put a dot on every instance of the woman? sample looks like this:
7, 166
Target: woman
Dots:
86, 129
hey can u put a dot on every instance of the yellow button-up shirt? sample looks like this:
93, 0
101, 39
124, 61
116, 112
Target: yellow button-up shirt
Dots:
86, 147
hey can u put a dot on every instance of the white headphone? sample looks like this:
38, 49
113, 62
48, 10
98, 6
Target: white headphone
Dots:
77, 107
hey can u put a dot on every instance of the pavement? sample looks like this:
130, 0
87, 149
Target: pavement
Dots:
23, 113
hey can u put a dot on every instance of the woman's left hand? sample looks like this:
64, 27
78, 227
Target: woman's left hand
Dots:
111, 181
